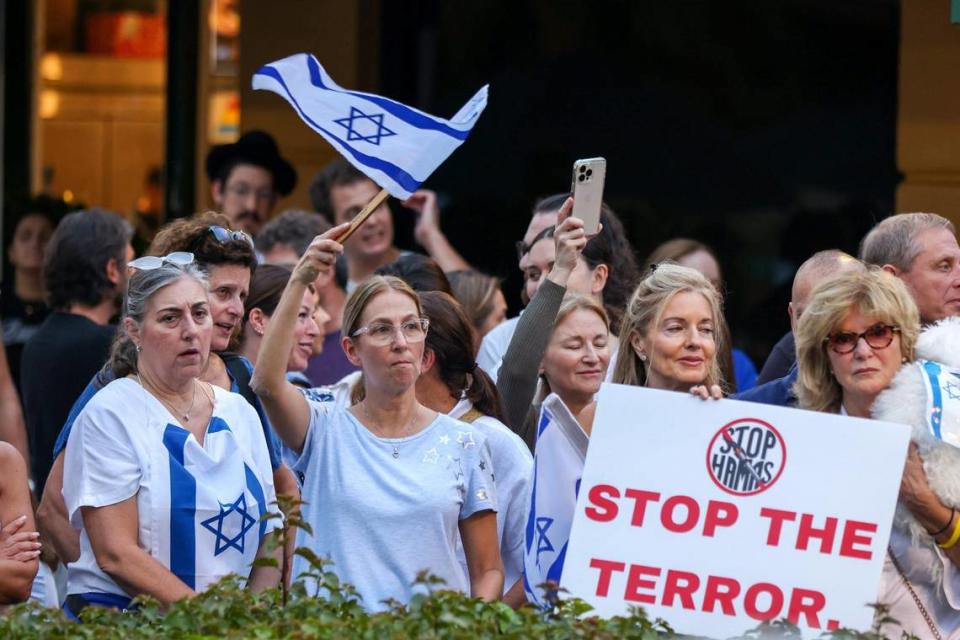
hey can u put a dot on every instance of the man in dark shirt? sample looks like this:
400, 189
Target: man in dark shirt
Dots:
818, 268
85, 275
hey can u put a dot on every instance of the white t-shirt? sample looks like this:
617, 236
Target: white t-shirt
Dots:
514, 465
384, 509
199, 507
494, 346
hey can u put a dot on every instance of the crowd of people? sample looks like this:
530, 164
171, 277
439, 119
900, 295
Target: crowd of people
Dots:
154, 407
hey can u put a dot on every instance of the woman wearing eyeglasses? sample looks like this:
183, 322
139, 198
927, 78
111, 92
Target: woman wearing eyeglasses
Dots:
854, 336
388, 483
169, 475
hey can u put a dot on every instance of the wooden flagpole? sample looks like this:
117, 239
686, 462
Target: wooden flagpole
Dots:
361, 217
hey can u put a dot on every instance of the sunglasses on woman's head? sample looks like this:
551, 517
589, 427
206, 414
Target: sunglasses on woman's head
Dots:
146, 263
224, 235
879, 336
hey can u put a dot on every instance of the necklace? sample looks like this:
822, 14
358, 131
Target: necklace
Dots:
377, 431
184, 415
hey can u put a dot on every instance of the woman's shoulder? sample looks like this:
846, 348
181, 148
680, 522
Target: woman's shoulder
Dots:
119, 393
9, 456
464, 433
501, 438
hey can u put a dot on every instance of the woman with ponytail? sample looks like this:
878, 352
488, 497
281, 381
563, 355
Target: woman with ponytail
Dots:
450, 382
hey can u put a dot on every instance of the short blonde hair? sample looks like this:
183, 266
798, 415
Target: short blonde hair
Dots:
572, 302
875, 293
645, 309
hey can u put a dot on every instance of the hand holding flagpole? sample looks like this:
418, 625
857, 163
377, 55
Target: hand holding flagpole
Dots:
365, 213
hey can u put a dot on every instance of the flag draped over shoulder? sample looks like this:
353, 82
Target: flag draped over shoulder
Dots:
397, 146
557, 468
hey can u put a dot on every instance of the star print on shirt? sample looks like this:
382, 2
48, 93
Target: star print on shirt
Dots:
444, 439
431, 456
455, 466
364, 126
465, 438
246, 522
953, 390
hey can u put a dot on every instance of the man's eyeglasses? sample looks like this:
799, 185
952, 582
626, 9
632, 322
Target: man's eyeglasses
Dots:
148, 263
879, 336
383, 333
224, 235
243, 190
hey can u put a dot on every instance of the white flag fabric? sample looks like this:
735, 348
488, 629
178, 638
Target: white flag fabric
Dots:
396, 146
557, 468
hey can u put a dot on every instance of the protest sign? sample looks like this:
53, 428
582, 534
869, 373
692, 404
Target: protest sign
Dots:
717, 515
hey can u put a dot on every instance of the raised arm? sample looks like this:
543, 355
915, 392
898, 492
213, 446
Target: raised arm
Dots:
287, 409
517, 379
19, 553
428, 234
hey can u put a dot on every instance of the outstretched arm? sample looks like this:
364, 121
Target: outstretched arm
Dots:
287, 409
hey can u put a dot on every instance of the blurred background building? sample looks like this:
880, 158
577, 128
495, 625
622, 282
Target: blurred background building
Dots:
766, 129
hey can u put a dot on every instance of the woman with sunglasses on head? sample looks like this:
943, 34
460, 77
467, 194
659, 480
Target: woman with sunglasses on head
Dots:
855, 334
169, 475
388, 483
228, 259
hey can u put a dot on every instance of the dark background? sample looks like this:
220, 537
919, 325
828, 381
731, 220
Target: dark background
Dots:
765, 129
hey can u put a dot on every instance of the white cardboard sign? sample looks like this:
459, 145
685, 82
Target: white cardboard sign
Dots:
716, 515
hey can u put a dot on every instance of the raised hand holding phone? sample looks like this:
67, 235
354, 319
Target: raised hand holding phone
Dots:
587, 189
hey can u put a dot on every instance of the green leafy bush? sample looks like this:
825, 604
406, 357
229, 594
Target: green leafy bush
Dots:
333, 610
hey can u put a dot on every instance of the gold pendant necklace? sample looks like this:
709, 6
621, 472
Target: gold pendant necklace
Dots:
184, 415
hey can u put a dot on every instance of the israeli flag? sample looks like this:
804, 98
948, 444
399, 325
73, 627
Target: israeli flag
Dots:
397, 146
557, 468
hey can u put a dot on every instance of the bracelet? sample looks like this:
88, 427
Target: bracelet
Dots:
954, 537
946, 526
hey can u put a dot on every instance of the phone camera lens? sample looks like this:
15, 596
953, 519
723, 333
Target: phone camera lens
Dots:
589, 172
581, 177
582, 168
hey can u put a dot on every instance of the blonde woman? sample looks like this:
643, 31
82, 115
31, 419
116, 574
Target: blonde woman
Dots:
671, 332
573, 367
853, 338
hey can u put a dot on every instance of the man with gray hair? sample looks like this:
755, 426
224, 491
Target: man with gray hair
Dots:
819, 267
921, 249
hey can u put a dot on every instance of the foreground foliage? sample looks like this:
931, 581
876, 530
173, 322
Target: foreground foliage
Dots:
228, 611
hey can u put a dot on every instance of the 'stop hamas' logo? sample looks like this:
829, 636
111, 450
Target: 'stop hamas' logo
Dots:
746, 456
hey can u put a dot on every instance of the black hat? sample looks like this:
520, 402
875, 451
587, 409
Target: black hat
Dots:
257, 148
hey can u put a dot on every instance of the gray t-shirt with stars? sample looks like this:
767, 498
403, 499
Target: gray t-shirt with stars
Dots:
384, 509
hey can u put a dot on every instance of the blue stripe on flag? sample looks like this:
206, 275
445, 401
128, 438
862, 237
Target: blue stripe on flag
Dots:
532, 518
395, 173
216, 425
401, 111
183, 508
545, 419
933, 372
254, 486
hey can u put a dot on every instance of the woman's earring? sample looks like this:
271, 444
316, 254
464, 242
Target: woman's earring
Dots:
643, 357
139, 348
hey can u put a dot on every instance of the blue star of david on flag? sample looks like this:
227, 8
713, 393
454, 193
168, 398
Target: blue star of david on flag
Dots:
418, 143
359, 124
215, 525
543, 542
